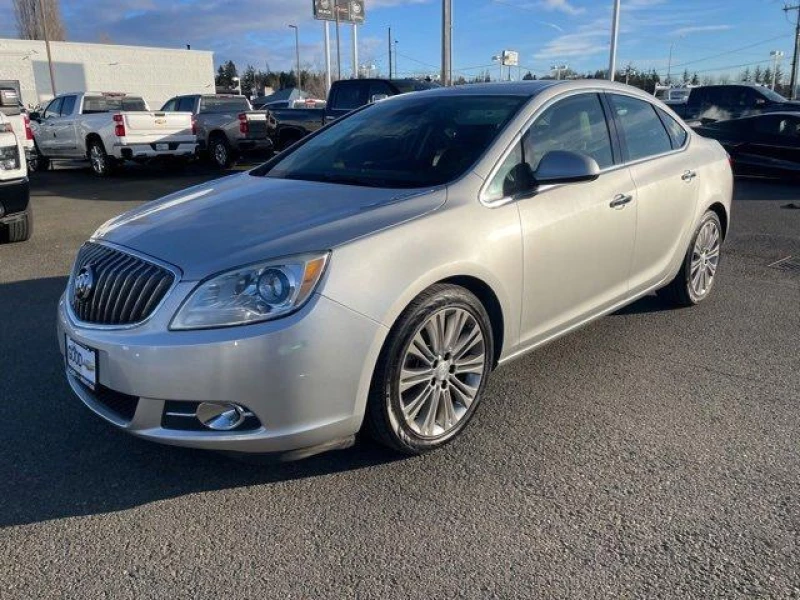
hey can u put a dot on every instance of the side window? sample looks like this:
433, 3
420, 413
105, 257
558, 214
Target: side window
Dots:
349, 95
67, 106
186, 104
53, 109
777, 125
169, 106
577, 124
503, 183
641, 129
378, 88
677, 134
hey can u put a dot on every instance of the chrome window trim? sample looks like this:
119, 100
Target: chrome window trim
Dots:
79, 324
498, 202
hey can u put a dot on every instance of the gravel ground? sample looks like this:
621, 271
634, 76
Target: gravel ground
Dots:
653, 454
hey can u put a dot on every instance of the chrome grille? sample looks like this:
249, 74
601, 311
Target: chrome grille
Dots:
124, 289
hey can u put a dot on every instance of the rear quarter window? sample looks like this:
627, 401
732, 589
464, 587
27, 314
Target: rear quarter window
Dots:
677, 134
642, 131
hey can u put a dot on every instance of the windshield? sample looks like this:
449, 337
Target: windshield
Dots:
224, 104
104, 104
416, 141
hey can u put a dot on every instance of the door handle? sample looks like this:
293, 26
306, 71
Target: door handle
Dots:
620, 200
688, 176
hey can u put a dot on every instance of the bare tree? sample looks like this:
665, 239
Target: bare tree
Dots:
32, 17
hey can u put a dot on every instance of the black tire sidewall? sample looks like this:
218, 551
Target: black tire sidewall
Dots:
407, 327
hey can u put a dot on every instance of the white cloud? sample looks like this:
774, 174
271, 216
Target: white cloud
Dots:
561, 6
699, 28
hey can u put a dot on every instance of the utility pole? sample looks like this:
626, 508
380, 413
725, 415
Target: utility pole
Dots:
786, 9
390, 52
355, 50
669, 64
328, 77
47, 44
447, 30
396, 54
612, 60
297, 51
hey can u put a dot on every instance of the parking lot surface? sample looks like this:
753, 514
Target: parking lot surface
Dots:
652, 454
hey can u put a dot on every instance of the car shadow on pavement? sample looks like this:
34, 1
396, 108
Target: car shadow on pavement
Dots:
647, 304
58, 460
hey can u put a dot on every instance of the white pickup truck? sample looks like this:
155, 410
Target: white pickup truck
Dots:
16, 115
16, 221
107, 129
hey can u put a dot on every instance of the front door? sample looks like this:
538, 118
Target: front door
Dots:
578, 238
64, 140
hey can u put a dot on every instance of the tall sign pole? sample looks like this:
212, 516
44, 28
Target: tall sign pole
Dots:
612, 61
47, 45
338, 42
447, 29
327, 33
355, 50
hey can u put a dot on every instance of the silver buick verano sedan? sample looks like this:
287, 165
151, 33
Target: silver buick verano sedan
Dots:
374, 274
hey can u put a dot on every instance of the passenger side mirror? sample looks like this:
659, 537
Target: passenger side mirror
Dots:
378, 98
560, 166
760, 102
35, 116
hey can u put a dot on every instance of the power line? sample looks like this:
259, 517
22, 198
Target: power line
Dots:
697, 60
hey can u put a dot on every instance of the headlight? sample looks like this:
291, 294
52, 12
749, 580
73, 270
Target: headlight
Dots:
9, 158
252, 294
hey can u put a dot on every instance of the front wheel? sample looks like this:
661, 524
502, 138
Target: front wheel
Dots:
695, 280
220, 152
19, 230
432, 371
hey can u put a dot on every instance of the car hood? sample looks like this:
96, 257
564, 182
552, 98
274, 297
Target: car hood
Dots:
242, 219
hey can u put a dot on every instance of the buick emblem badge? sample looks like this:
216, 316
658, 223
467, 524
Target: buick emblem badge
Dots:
84, 283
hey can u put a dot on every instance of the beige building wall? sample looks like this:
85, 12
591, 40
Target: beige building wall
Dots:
157, 74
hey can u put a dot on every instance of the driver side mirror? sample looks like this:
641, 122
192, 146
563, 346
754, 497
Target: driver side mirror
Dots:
760, 102
561, 166
35, 116
378, 97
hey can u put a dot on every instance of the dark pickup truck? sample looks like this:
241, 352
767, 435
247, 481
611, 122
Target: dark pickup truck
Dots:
722, 102
288, 125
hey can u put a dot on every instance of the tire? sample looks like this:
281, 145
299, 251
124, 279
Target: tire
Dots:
101, 163
20, 231
436, 397
38, 162
219, 150
694, 282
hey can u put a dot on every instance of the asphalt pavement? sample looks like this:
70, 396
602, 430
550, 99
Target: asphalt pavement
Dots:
652, 454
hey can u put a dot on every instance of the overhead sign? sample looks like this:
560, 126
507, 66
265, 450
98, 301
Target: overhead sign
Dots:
350, 11
510, 58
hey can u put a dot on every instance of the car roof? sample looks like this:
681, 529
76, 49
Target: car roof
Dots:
533, 88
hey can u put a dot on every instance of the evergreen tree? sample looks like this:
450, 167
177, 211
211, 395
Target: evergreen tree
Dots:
746, 76
767, 76
758, 75
686, 78
528, 76
695, 79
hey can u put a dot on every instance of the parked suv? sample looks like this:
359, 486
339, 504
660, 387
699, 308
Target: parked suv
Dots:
16, 221
226, 125
722, 102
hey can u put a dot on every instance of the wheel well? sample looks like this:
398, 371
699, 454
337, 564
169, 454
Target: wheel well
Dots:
488, 298
217, 134
93, 137
720, 211
287, 137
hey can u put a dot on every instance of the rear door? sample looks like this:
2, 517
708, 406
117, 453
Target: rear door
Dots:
654, 146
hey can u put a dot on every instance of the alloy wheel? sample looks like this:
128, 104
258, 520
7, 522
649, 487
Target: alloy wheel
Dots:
98, 159
441, 372
705, 259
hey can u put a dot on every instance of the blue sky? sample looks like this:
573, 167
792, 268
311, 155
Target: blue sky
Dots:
708, 36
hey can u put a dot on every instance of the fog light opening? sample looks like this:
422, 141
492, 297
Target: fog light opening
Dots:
220, 417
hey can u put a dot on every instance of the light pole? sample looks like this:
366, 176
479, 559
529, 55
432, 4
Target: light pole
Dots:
612, 60
669, 64
297, 52
396, 73
39, 5
447, 41
776, 55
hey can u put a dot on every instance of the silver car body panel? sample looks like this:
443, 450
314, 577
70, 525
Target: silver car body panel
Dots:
554, 260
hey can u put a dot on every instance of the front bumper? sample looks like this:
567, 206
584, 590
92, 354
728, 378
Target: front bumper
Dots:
305, 377
144, 152
14, 199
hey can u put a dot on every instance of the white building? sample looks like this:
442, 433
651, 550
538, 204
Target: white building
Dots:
156, 74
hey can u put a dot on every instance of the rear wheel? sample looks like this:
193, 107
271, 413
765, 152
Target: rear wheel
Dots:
695, 280
102, 164
220, 152
432, 371
37, 162
20, 230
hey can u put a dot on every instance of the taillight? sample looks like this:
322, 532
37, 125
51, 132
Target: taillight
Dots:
28, 130
244, 126
194, 126
119, 128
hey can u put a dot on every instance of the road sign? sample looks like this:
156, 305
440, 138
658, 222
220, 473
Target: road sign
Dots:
350, 11
510, 58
